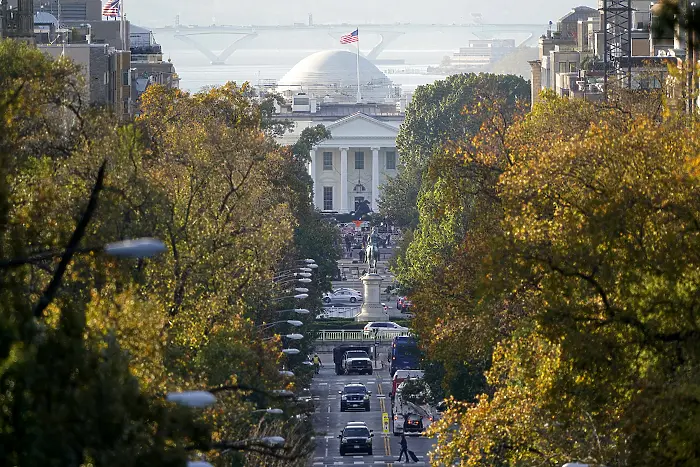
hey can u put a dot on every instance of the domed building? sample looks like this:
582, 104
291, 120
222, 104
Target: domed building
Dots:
348, 168
332, 74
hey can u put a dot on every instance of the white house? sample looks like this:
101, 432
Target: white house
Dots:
349, 167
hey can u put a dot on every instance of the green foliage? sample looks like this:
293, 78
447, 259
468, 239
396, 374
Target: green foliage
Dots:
582, 297
85, 385
439, 113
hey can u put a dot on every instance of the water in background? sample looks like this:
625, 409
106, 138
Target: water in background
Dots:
274, 55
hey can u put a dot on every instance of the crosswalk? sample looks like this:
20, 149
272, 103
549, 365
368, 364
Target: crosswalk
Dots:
362, 460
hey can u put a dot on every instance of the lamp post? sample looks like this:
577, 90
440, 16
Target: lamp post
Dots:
292, 322
293, 337
269, 411
299, 296
137, 248
299, 311
376, 344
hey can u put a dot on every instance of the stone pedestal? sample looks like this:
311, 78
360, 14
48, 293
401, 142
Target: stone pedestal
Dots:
372, 309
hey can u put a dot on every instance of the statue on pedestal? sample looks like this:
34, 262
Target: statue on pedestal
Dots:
372, 251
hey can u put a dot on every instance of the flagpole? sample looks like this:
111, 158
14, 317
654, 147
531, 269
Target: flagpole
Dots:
359, 92
123, 25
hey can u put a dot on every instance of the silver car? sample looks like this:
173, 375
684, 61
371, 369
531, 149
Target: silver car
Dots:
342, 296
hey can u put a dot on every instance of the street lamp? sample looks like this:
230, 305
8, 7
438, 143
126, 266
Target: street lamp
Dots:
137, 248
292, 337
299, 311
270, 411
303, 280
301, 289
291, 351
292, 322
192, 398
199, 464
272, 441
299, 296
287, 373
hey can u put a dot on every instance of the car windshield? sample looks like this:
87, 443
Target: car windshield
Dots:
356, 432
354, 389
357, 354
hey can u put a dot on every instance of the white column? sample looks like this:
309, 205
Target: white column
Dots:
344, 180
375, 179
312, 173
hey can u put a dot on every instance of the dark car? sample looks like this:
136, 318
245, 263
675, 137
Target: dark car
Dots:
413, 423
355, 438
354, 396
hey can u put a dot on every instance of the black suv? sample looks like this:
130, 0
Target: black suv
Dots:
355, 437
354, 396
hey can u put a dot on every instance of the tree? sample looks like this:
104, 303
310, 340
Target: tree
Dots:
85, 383
593, 270
439, 113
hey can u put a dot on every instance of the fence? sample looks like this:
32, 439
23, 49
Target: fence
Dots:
357, 335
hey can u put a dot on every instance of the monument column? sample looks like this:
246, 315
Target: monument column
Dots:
344, 180
312, 173
375, 179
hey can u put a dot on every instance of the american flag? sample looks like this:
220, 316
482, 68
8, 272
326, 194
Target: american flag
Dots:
111, 8
350, 38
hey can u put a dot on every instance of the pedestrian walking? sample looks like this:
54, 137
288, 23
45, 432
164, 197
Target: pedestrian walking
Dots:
404, 449
317, 363
348, 244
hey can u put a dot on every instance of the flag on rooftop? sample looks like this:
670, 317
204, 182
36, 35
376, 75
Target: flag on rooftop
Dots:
111, 8
350, 38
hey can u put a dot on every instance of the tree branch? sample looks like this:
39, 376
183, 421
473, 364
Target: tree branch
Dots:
51, 290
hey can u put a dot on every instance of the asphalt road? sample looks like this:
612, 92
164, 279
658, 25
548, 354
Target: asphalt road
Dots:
329, 421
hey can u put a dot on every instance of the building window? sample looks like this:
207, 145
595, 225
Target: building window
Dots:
358, 200
327, 161
359, 160
327, 198
563, 67
391, 160
572, 67
125, 78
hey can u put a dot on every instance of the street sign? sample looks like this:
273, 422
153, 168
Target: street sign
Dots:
385, 423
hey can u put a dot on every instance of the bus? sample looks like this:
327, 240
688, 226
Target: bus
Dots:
405, 354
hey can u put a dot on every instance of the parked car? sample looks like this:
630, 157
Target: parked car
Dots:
355, 438
382, 326
406, 305
399, 302
342, 296
357, 361
354, 396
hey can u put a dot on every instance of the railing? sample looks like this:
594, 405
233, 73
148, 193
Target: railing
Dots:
357, 335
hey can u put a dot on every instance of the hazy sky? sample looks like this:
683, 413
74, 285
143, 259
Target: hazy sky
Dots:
162, 12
